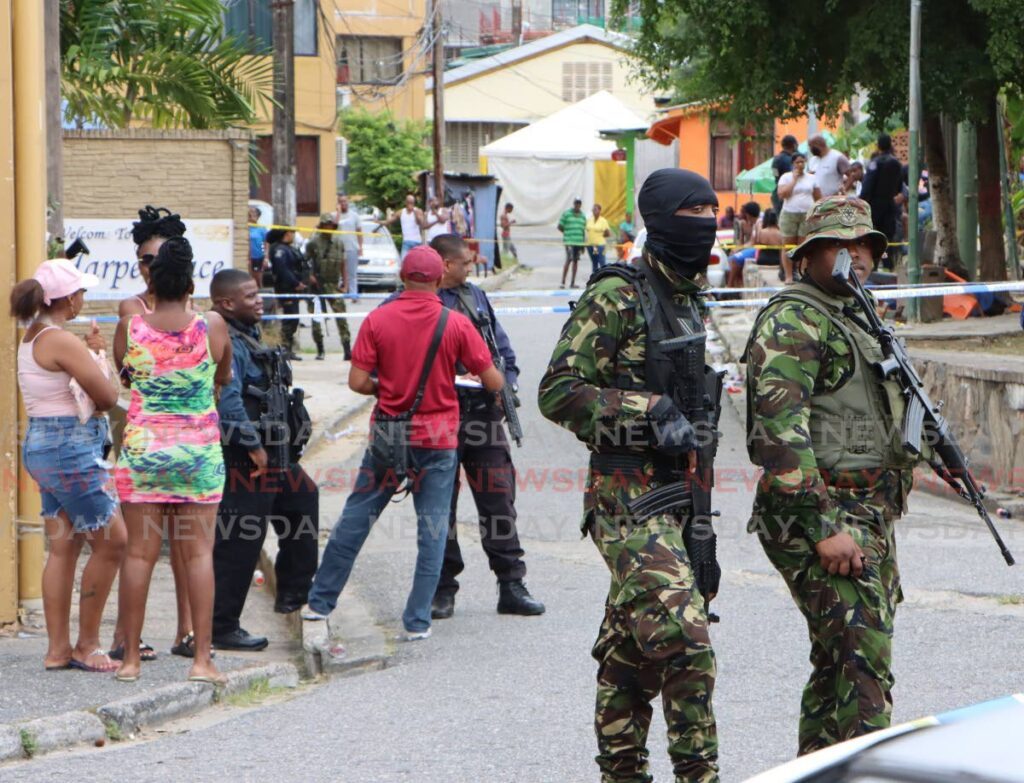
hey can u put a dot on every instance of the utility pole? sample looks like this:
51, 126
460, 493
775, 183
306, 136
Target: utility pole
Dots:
54, 125
967, 195
282, 170
517, 22
437, 28
914, 173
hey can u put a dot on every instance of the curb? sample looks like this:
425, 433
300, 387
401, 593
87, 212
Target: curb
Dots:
128, 716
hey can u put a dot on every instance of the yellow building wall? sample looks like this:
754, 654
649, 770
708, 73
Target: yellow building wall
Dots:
531, 89
316, 83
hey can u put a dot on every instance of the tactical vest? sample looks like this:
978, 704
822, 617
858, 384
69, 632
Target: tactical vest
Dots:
665, 319
856, 426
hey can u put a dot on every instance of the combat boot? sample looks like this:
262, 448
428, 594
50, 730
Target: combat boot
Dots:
443, 606
320, 350
514, 598
346, 346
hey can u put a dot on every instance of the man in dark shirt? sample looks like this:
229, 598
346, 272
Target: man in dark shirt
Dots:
253, 491
289, 268
781, 164
883, 182
483, 452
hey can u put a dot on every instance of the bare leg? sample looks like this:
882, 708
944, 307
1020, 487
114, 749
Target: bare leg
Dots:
58, 579
108, 548
565, 270
144, 522
575, 264
787, 262
180, 591
194, 525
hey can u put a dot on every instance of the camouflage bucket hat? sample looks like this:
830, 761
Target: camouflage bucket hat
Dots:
840, 217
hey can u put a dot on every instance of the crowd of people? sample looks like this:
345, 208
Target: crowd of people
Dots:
592, 232
203, 452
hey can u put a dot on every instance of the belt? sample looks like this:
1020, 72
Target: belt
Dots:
612, 462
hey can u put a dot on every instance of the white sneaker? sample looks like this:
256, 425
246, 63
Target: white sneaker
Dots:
309, 614
414, 636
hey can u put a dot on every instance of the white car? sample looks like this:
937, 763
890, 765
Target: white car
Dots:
716, 268
379, 262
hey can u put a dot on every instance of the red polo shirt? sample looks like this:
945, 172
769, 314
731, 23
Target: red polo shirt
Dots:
394, 339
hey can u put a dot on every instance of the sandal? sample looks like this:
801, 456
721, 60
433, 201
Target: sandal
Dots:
146, 652
186, 648
103, 668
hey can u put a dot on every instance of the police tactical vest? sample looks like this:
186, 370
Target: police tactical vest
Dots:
665, 319
856, 426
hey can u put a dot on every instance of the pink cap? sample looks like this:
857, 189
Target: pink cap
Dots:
60, 277
422, 263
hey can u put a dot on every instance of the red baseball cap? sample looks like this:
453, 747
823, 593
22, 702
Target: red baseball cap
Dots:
422, 264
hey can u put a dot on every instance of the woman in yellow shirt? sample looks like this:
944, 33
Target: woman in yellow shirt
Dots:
598, 232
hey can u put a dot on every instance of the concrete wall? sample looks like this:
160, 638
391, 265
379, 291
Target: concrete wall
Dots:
199, 174
984, 403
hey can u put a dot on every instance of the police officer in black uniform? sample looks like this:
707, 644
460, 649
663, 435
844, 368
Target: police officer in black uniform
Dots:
483, 453
290, 275
264, 483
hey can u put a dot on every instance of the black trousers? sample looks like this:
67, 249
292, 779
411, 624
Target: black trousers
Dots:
290, 501
289, 326
485, 457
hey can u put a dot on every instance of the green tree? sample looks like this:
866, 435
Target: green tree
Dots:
168, 63
384, 155
771, 64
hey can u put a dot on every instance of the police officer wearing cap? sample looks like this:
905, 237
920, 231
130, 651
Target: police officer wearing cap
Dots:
825, 428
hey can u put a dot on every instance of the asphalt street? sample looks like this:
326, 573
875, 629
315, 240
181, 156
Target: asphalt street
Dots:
492, 698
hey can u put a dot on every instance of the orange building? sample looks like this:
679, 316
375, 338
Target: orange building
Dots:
711, 146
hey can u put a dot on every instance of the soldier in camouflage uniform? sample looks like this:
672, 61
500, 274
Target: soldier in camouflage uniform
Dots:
654, 637
325, 261
836, 476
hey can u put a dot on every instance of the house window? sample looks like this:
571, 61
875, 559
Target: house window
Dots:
369, 59
581, 80
253, 19
307, 173
569, 13
463, 141
733, 152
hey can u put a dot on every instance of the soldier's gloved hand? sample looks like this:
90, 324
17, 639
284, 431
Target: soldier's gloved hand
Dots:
673, 433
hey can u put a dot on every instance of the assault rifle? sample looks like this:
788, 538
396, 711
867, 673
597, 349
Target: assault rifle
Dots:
274, 406
923, 418
508, 397
701, 403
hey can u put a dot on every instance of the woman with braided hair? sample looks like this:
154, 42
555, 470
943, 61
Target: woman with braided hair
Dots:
170, 472
154, 227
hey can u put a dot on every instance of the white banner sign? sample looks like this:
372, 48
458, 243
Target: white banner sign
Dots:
112, 253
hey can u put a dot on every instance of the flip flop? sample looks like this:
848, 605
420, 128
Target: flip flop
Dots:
74, 663
59, 667
186, 648
126, 678
219, 682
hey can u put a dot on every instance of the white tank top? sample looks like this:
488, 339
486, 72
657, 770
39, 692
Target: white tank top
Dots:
441, 227
45, 392
410, 227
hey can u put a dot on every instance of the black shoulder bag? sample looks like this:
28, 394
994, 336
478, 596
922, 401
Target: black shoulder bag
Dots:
389, 435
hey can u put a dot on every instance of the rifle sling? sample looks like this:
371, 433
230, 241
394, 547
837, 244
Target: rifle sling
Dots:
428, 362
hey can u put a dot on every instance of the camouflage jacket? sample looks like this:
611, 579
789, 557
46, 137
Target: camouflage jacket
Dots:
325, 258
603, 342
795, 352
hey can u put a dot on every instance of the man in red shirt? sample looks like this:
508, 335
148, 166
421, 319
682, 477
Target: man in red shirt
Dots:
393, 342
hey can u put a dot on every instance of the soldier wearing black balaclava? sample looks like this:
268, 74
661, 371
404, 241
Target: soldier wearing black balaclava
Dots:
616, 381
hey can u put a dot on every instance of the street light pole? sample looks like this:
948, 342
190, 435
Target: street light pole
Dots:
914, 173
438, 68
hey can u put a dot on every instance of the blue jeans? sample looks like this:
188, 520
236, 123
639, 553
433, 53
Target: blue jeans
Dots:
409, 244
432, 497
596, 253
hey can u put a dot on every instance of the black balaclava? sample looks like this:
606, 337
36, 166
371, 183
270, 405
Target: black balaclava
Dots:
681, 243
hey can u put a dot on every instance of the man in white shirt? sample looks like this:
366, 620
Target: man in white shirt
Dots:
352, 240
831, 167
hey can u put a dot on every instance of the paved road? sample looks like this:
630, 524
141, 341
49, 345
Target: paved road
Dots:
492, 698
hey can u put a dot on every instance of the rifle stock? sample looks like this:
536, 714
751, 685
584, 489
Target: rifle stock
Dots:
923, 418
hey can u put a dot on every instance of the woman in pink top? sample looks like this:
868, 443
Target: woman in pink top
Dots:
66, 458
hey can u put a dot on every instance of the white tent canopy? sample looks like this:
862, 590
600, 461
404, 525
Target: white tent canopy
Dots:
548, 163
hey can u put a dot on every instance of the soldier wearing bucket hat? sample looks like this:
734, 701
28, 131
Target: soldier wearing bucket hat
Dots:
821, 424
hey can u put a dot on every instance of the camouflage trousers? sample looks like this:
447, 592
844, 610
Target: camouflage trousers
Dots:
849, 621
329, 305
654, 639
